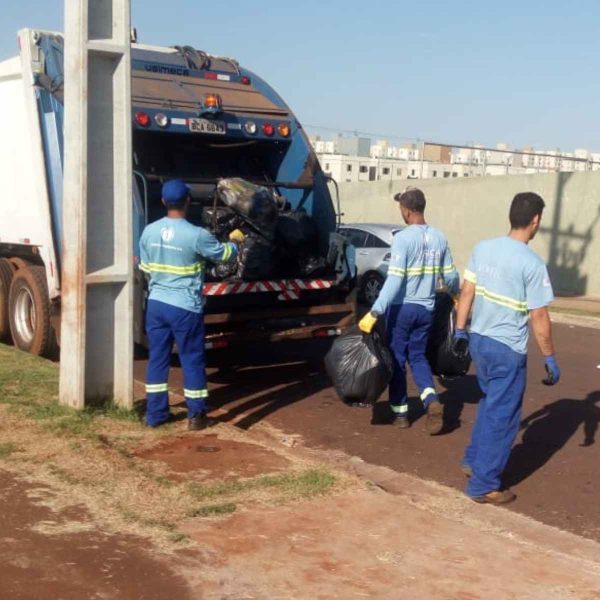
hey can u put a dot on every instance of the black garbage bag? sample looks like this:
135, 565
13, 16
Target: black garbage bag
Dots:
221, 221
257, 258
312, 266
254, 203
440, 354
360, 366
223, 270
297, 231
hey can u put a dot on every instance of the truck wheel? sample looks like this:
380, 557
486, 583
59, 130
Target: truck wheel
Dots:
370, 287
29, 311
6, 274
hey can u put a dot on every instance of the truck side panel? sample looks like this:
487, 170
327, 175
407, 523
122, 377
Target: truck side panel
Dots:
25, 219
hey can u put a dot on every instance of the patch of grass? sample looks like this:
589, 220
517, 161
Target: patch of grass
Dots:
7, 448
214, 510
31, 384
179, 538
303, 484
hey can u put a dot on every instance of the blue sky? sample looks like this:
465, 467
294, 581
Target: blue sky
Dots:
522, 72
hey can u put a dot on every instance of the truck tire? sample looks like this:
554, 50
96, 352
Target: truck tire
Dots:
29, 311
6, 274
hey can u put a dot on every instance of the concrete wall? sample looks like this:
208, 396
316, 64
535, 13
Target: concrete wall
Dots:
469, 210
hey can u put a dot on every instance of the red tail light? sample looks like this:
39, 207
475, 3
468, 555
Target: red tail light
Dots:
142, 119
268, 129
245, 80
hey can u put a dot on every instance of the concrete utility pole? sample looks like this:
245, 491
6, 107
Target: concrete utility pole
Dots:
97, 276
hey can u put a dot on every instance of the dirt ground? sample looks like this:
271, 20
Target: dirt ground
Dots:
392, 530
51, 549
553, 467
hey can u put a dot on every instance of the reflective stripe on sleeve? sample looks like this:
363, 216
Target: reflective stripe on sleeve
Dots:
506, 301
399, 409
397, 271
195, 394
156, 388
193, 269
470, 276
449, 269
144, 267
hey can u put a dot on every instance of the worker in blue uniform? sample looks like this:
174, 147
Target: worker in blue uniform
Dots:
507, 284
173, 254
420, 259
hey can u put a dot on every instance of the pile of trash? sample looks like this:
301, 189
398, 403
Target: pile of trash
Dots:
280, 242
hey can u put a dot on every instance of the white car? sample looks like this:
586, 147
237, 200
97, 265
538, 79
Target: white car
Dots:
373, 243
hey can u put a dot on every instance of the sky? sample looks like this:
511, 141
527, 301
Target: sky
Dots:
455, 71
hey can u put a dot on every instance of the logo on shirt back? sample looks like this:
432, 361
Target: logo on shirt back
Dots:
167, 234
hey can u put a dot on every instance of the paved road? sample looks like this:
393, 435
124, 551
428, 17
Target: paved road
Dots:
553, 467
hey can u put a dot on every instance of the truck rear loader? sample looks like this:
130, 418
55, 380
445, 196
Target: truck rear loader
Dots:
194, 116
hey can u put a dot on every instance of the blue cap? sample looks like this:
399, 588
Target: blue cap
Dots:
174, 191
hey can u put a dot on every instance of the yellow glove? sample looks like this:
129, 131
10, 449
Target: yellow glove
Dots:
237, 236
367, 323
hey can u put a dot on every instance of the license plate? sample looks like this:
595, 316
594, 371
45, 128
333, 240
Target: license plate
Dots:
207, 126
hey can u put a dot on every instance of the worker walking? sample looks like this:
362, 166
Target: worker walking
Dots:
507, 282
172, 253
420, 257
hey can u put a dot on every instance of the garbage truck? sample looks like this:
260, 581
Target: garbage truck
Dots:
194, 116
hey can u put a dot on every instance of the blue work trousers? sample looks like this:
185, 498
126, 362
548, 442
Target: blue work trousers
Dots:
502, 376
408, 329
166, 324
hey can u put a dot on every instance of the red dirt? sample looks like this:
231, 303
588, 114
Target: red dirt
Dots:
49, 553
382, 546
214, 458
554, 465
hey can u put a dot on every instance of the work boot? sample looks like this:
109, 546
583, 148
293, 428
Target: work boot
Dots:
496, 497
467, 470
199, 422
435, 417
401, 422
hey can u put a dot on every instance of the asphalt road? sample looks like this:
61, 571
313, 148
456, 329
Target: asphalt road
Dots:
554, 463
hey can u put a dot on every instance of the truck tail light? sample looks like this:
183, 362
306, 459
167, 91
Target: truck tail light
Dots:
283, 129
268, 129
142, 119
250, 127
245, 80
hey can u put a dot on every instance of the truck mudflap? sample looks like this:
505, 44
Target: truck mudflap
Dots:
289, 289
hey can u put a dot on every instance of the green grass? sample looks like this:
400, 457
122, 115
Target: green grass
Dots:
214, 510
7, 448
304, 484
30, 385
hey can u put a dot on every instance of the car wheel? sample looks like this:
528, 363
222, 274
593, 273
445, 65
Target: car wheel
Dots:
370, 287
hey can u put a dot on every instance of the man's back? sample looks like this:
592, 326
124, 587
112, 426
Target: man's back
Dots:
510, 280
172, 252
421, 256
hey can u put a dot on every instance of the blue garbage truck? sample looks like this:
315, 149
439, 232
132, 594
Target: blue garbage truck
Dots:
194, 116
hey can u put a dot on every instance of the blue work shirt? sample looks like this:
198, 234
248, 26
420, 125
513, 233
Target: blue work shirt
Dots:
510, 280
420, 257
173, 253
